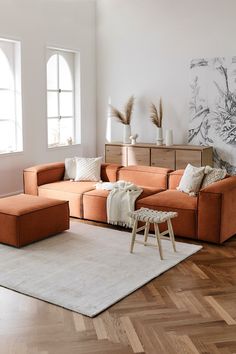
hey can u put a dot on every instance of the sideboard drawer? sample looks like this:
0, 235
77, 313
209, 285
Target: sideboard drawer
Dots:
163, 158
183, 157
116, 154
138, 156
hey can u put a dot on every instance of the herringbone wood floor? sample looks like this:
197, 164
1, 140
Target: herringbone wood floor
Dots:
188, 310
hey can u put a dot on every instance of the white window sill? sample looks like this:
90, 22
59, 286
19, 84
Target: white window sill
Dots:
58, 147
11, 153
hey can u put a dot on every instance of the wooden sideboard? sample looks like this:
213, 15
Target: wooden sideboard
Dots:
174, 156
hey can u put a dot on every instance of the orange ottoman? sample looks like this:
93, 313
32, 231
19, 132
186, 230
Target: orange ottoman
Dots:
26, 218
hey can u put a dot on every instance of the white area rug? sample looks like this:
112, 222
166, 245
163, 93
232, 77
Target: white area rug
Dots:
86, 269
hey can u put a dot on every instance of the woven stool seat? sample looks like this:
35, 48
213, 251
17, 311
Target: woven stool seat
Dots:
155, 217
152, 216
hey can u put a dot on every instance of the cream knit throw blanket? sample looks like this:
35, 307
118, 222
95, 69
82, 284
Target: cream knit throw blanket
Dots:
120, 201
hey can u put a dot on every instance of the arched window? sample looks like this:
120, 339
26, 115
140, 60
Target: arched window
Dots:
6, 75
10, 126
60, 98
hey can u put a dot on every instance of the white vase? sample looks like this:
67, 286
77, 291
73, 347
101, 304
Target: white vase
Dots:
169, 137
108, 129
159, 139
109, 122
126, 133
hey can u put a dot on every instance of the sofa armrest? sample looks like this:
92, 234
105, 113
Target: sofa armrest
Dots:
221, 186
217, 211
41, 174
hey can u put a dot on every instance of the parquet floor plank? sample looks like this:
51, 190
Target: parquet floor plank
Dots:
188, 310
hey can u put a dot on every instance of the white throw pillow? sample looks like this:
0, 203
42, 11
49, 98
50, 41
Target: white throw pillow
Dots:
213, 175
88, 169
191, 180
70, 168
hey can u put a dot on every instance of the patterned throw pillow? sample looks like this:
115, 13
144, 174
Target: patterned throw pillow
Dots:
213, 175
88, 169
70, 168
191, 180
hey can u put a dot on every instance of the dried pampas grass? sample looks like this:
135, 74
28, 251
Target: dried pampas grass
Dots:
156, 117
124, 118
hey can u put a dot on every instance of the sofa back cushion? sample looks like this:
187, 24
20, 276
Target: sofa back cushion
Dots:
174, 179
109, 172
145, 176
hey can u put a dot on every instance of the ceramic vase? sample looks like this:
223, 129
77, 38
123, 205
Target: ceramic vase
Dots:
159, 139
108, 129
169, 137
126, 133
109, 122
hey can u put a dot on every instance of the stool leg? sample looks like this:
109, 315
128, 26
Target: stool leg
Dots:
171, 233
146, 231
133, 235
158, 237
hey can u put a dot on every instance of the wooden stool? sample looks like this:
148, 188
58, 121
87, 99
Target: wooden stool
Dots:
156, 217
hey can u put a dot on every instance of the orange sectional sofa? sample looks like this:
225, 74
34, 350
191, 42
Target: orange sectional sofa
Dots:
210, 216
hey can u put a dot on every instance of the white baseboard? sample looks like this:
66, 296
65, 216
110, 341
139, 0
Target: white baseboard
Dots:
10, 194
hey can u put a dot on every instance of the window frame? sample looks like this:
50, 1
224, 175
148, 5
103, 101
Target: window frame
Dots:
12, 51
63, 53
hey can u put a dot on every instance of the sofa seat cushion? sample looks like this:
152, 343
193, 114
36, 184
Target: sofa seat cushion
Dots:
68, 190
94, 202
172, 200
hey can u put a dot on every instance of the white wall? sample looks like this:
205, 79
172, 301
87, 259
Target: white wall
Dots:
144, 47
37, 24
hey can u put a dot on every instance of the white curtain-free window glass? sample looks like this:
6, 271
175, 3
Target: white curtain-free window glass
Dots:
60, 98
10, 98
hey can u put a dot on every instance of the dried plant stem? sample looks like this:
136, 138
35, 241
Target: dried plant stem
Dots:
118, 115
124, 118
129, 109
156, 117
